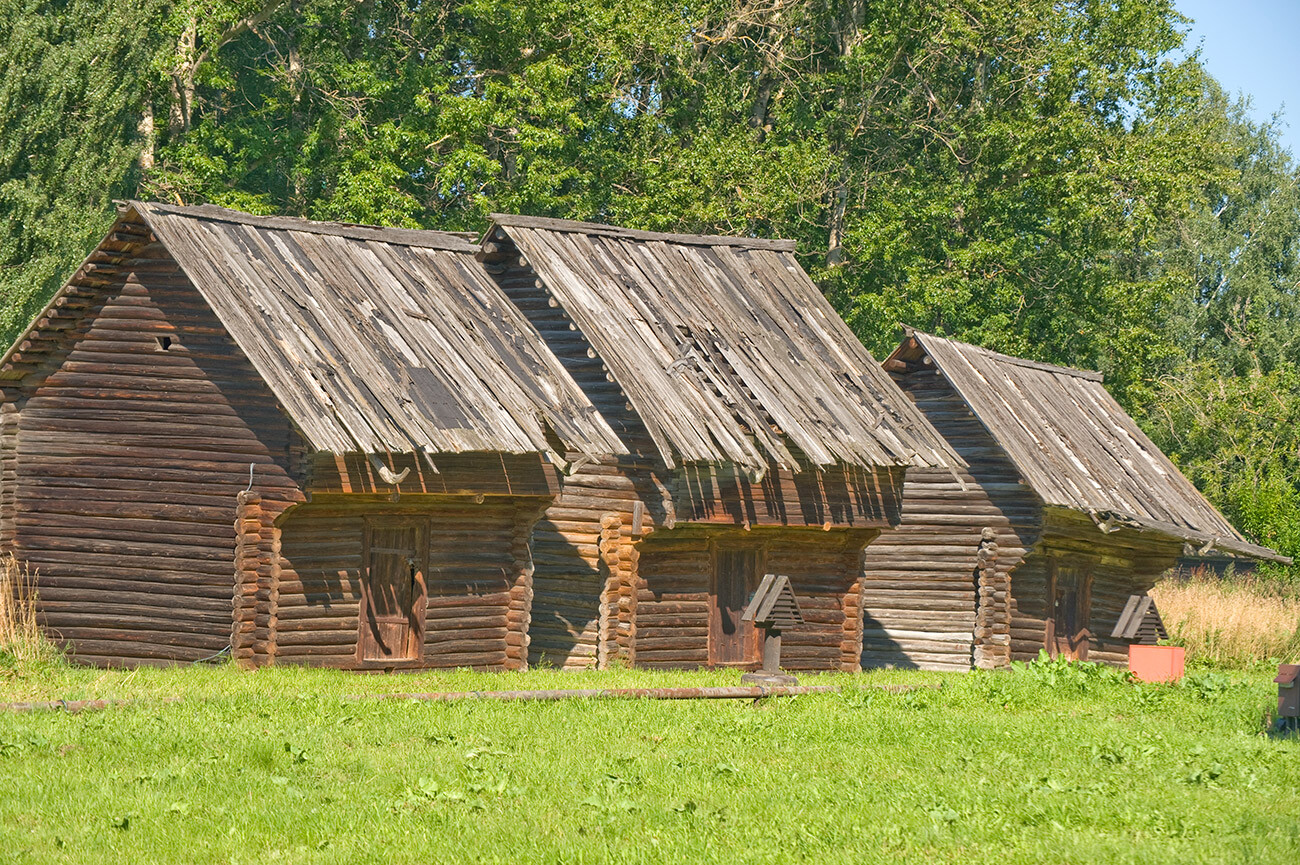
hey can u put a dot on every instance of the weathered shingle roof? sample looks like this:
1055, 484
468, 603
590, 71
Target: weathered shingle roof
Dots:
379, 339
725, 348
1074, 445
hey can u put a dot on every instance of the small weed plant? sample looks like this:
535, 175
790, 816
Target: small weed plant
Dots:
22, 643
1081, 676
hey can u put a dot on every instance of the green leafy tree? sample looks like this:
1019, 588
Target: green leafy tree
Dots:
71, 99
1051, 178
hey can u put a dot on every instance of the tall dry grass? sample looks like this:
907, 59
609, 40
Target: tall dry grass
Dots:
22, 642
1230, 622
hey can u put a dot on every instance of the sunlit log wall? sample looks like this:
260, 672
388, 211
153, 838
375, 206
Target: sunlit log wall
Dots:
924, 579
477, 576
136, 424
1121, 563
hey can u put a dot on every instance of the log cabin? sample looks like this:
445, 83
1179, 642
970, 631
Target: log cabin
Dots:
289, 441
1064, 509
762, 438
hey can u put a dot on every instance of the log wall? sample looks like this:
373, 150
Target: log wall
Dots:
478, 577
672, 593
964, 579
961, 535
1121, 563
127, 430
123, 459
574, 625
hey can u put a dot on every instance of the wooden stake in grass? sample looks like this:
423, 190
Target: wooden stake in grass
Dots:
21, 639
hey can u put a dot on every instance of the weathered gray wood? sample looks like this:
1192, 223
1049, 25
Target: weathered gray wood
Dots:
373, 340
1072, 443
726, 351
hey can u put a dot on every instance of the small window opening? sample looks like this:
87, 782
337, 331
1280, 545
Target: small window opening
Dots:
164, 342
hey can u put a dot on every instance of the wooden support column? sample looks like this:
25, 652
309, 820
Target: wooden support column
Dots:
992, 644
8, 470
248, 539
628, 587
268, 587
853, 603
610, 561
519, 612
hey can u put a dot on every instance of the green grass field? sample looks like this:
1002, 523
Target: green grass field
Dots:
1047, 764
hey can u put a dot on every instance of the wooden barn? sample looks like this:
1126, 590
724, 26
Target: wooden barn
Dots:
296, 442
1064, 510
762, 438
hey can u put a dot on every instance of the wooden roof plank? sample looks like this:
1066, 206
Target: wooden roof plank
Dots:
774, 374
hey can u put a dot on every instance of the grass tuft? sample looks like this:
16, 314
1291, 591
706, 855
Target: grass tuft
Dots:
1237, 622
23, 645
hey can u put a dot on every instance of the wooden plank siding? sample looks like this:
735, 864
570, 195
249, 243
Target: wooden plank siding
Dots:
573, 625
1120, 564
673, 599
131, 415
967, 577
1073, 444
922, 586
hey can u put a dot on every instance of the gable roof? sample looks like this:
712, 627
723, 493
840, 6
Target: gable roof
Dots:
377, 339
1073, 444
725, 348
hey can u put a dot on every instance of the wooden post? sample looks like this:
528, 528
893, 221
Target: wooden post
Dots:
992, 645
610, 562
519, 615
771, 651
248, 530
8, 470
853, 603
772, 608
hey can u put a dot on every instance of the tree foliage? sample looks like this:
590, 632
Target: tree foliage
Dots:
1053, 178
72, 79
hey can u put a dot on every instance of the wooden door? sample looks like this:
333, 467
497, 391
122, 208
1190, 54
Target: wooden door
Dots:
392, 593
735, 579
1067, 629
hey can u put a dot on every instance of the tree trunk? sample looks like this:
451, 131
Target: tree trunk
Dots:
148, 136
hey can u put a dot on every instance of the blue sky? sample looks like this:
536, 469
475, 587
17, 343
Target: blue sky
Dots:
1252, 47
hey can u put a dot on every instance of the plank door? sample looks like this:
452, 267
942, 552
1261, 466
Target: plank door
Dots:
735, 579
1067, 629
393, 593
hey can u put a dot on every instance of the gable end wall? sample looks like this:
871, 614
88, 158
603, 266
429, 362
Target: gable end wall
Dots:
937, 588
127, 462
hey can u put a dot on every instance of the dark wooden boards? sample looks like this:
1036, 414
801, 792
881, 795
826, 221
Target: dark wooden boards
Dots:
935, 593
969, 576
477, 579
677, 601
122, 463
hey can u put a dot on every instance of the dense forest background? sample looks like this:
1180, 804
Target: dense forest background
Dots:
1059, 179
